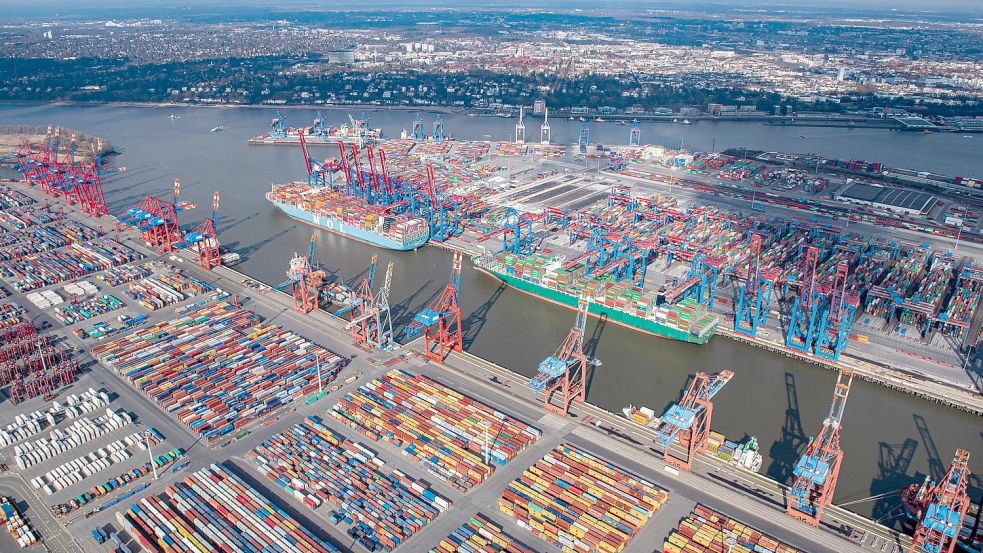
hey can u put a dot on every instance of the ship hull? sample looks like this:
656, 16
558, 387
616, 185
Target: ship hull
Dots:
348, 231
598, 310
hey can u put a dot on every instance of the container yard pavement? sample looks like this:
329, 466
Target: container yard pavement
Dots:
464, 374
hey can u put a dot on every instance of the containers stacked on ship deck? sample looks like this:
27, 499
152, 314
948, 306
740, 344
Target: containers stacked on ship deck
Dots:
581, 503
440, 428
480, 534
352, 211
77, 260
315, 465
705, 530
214, 510
220, 368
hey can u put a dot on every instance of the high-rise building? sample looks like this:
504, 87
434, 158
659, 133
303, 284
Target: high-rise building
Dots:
539, 106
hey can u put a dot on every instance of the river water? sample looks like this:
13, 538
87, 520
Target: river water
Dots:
890, 439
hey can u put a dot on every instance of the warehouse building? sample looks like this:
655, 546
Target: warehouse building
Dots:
898, 200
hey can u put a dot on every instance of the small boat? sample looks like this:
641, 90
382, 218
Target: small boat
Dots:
686, 122
218, 128
675, 120
620, 122
173, 117
571, 118
642, 416
583, 119
926, 131
599, 120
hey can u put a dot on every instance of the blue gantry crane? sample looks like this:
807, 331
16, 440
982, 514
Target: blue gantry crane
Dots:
583, 140
438, 129
836, 316
688, 421
700, 282
635, 134
516, 233
755, 296
802, 328
417, 133
279, 129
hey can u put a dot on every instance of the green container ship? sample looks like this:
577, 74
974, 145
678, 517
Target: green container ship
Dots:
544, 277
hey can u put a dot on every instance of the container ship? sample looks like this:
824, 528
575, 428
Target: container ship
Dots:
331, 135
352, 217
543, 277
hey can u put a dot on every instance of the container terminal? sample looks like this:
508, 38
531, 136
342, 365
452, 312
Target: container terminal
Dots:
685, 244
475, 452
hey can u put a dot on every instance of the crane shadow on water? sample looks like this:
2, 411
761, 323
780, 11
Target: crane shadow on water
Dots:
590, 350
476, 320
785, 451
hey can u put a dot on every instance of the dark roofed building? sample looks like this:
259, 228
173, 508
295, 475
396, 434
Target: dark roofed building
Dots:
899, 200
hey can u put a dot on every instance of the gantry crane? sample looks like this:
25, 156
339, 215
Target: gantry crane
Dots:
417, 133
689, 420
305, 280
438, 129
520, 127
802, 329
441, 322
584, 139
204, 239
566, 370
371, 322
816, 472
317, 129
279, 130
516, 233
157, 220
836, 317
941, 508
755, 295
635, 134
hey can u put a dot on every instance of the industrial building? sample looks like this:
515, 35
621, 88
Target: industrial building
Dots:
898, 200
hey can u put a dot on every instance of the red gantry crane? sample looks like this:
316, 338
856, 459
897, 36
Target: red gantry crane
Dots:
817, 470
157, 220
441, 322
566, 370
942, 507
305, 280
688, 421
204, 240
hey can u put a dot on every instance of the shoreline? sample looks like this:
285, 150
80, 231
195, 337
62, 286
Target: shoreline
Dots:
942, 392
